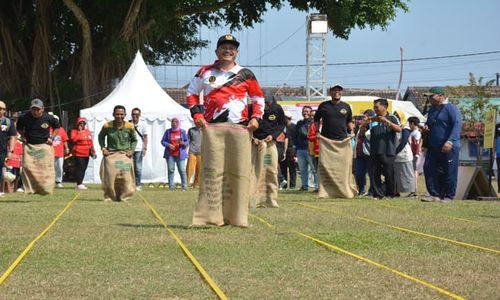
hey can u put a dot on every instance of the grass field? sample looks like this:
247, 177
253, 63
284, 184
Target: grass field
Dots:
103, 250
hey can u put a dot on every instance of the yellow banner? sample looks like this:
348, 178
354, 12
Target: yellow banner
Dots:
489, 129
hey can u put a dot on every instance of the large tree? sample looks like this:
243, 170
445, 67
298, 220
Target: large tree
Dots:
73, 49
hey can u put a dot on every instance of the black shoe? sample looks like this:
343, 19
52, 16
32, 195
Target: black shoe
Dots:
303, 189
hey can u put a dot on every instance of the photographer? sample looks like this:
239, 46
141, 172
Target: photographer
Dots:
383, 143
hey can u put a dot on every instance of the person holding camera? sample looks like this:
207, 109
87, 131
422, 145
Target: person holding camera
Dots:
175, 141
383, 143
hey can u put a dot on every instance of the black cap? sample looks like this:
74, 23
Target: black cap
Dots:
228, 38
369, 113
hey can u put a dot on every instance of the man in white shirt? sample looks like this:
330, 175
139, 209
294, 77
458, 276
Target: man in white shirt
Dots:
142, 145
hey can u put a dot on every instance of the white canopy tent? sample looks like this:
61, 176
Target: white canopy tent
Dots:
138, 88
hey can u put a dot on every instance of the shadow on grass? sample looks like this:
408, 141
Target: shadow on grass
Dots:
157, 226
140, 225
15, 201
489, 216
91, 200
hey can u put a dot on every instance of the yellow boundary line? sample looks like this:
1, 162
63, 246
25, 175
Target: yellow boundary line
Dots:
369, 261
429, 214
25, 252
218, 291
402, 229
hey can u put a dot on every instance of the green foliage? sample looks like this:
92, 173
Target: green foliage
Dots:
34, 33
477, 89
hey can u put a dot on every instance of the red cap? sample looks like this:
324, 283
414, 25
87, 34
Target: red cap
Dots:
80, 119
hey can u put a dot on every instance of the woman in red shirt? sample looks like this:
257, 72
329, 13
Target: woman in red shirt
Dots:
83, 147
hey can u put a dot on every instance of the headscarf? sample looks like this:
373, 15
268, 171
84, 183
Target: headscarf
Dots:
178, 125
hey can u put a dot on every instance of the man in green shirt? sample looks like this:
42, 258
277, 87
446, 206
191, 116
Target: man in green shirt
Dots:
118, 135
117, 140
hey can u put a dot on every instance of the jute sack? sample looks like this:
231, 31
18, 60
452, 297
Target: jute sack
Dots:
335, 169
225, 182
117, 176
37, 171
264, 179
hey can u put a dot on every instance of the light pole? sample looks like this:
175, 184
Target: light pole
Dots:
317, 29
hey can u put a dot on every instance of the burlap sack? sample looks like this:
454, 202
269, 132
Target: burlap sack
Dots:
335, 169
264, 179
225, 176
37, 171
117, 176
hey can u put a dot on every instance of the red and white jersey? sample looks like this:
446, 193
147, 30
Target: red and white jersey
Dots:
225, 94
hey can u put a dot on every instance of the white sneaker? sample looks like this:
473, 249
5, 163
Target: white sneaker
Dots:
2, 194
59, 185
138, 188
81, 187
20, 190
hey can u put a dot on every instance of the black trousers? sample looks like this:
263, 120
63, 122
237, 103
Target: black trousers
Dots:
383, 165
498, 172
288, 166
81, 164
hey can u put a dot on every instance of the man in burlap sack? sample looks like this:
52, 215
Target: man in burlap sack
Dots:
117, 140
264, 181
38, 174
335, 148
227, 128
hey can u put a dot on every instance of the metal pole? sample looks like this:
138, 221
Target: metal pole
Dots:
400, 74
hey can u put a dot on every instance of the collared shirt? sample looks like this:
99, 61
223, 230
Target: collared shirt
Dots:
118, 139
225, 94
301, 130
445, 124
382, 138
142, 128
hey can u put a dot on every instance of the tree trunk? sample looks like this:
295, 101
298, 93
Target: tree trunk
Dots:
128, 25
41, 52
86, 59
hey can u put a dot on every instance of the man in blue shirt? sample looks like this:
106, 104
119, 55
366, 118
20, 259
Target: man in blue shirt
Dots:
444, 124
305, 160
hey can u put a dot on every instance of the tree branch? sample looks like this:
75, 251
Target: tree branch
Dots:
128, 25
203, 8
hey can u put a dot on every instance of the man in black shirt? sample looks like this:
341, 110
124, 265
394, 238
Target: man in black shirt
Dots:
383, 144
335, 151
7, 139
34, 126
336, 116
38, 160
265, 155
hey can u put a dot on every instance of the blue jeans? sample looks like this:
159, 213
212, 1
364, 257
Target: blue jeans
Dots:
181, 166
137, 167
441, 172
305, 161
